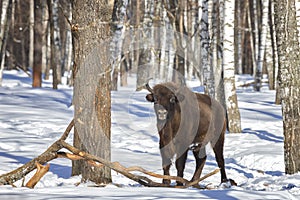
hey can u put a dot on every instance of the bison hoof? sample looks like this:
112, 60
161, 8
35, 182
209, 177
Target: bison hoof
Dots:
166, 181
227, 183
232, 182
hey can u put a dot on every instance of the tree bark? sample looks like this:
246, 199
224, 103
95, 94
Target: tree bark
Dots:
92, 98
289, 80
217, 50
233, 114
208, 72
38, 45
263, 23
31, 34
56, 63
4, 27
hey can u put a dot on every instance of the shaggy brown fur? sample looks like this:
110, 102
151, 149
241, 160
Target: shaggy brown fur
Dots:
187, 121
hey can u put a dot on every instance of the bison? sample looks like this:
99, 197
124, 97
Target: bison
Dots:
187, 121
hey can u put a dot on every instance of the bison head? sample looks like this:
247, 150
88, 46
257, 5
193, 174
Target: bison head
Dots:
166, 100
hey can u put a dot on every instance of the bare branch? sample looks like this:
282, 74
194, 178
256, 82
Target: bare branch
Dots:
40, 172
50, 154
76, 154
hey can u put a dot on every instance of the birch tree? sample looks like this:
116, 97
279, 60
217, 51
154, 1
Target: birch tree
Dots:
233, 114
289, 80
3, 33
297, 4
263, 26
208, 72
31, 34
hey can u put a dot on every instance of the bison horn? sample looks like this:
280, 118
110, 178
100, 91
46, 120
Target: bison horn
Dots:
148, 86
182, 82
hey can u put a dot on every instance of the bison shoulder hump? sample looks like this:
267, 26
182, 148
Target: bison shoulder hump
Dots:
204, 99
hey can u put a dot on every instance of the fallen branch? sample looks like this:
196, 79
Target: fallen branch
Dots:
77, 157
54, 152
48, 155
143, 180
40, 172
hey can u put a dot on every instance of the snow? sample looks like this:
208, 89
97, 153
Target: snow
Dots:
32, 119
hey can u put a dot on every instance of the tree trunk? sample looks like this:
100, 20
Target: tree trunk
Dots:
289, 62
269, 61
217, 50
233, 114
263, 21
274, 52
92, 98
297, 4
31, 34
10, 62
45, 52
38, 38
55, 43
238, 24
6, 6
48, 51
175, 15
208, 72
271, 53
68, 57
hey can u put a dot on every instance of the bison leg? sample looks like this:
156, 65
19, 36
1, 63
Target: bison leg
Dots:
166, 164
200, 156
180, 165
218, 150
166, 168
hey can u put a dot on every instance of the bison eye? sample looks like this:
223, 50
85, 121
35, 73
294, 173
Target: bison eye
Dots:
173, 99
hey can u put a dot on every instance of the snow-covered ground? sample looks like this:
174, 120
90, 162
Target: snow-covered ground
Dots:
32, 119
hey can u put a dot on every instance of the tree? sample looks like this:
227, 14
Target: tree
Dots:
31, 34
3, 33
208, 73
55, 42
261, 41
233, 114
175, 13
38, 38
289, 80
217, 49
92, 99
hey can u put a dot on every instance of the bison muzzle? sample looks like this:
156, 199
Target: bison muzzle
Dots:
187, 121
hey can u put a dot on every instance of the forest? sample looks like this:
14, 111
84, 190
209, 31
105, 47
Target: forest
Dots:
96, 46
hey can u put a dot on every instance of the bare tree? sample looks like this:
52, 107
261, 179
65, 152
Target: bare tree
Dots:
263, 26
270, 55
92, 98
233, 114
31, 34
6, 4
208, 72
289, 70
217, 49
38, 38
175, 13
55, 43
